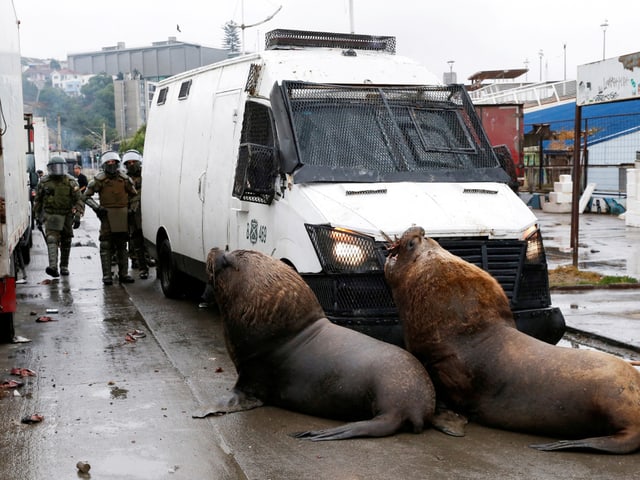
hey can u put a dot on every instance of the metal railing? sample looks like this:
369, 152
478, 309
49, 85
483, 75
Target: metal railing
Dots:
530, 95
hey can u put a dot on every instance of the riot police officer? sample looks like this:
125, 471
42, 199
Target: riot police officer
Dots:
133, 163
117, 196
58, 205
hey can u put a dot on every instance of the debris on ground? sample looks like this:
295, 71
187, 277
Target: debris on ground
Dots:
23, 372
83, 467
30, 419
7, 384
134, 335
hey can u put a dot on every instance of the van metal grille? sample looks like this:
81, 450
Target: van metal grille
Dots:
501, 258
386, 130
366, 298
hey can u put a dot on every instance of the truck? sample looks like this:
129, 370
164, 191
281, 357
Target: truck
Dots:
318, 151
504, 124
15, 211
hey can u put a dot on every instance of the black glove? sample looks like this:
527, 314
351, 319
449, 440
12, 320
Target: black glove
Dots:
76, 221
102, 213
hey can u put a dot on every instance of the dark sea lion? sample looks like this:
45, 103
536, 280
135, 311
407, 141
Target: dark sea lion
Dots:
456, 319
287, 354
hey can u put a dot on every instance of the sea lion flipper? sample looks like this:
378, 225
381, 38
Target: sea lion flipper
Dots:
449, 422
234, 402
618, 444
379, 426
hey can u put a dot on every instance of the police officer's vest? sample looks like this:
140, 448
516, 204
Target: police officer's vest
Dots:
113, 190
58, 194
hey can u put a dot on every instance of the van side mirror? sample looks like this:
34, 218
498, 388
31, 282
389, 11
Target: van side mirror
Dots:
255, 173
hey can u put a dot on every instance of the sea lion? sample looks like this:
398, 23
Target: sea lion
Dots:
457, 321
287, 354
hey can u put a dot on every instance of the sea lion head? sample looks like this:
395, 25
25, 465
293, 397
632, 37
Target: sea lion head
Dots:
405, 251
263, 301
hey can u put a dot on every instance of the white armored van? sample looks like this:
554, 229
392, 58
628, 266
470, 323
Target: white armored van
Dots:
317, 150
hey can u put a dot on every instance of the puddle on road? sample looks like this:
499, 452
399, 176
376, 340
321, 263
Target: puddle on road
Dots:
113, 392
129, 466
119, 393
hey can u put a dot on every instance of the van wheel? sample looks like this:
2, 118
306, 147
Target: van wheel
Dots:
170, 277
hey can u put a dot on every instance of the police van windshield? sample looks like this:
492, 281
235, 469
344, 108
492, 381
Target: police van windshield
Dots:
387, 133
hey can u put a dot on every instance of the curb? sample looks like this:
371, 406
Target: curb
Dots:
611, 286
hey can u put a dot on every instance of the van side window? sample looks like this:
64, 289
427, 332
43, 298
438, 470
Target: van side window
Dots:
257, 169
162, 96
184, 90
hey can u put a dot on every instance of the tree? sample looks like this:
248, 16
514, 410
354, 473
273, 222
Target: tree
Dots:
29, 90
231, 40
79, 116
135, 143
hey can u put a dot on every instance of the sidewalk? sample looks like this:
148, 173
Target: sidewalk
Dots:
606, 246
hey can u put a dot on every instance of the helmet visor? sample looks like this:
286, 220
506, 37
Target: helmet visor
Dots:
56, 169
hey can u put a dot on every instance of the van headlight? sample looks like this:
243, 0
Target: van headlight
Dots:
340, 250
535, 249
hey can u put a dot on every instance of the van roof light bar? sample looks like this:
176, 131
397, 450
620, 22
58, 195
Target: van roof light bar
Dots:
281, 38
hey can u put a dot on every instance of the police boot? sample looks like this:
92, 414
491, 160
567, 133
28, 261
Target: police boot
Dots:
64, 260
142, 263
52, 249
123, 264
105, 261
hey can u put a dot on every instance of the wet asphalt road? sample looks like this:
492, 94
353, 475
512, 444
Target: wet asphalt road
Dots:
125, 407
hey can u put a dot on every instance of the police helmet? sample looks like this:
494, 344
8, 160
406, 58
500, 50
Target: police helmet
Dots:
57, 166
133, 162
131, 155
112, 168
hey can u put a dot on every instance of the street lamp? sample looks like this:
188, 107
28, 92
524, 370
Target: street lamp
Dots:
604, 35
451, 77
541, 54
526, 66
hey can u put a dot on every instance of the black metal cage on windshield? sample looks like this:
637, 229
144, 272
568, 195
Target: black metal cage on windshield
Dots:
388, 133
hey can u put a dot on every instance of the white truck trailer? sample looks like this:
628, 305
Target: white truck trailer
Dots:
315, 151
14, 183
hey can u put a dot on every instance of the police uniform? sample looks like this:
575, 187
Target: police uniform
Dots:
58, 203
117, 195
135, 230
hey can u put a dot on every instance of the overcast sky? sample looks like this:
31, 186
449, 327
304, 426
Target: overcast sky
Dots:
486, 35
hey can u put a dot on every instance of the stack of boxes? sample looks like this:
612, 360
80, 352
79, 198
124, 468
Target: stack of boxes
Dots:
561, 197
632, 215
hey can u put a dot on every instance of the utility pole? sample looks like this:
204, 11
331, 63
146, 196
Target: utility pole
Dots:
541, 54
604, 36
351, 22
59, 137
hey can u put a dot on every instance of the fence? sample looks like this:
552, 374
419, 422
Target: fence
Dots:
611, 145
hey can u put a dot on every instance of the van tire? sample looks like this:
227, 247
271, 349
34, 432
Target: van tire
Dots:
170, 277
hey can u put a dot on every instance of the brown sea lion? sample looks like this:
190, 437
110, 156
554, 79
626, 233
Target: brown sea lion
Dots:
456, 319
287, 354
